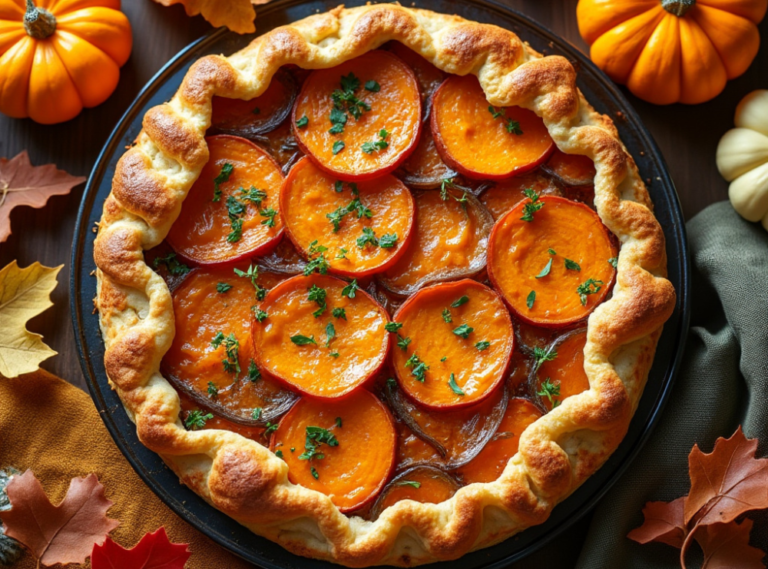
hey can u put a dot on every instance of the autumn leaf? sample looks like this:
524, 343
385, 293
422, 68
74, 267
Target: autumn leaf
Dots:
24, 184
24, 293
726, 546
57, 534
237, 15
154, 551
727, 482
664, 523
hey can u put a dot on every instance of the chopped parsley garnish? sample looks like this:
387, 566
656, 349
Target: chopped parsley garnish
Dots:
338, 120
315, 438
260, 315
455, 386
232, 347
551, 251
334, 354
318, 295
483, 345
357, 206
351, 289
590, 286
459, 301
254, 373
340, 313
213, 391
532, 206
416, 485
393, 326
252, 274
256, 414
279, 453
444, 195
256, 111
372, 86
418, 368
388, 240
381, 144
443, 358
614, 261
300, 340
464, 331
512, 126
271, 428
367, 237
302, 122
447, 316
314, 472
342, 253
545, 271
171, 263
235, 210
550, 391
335, 217
224, 174
541, 355
270, 214
253, 195
196, 419
330, 334
531, 299
338, 146
345, 98
572, 265
319, 263
221, 288
402, 343
338, 422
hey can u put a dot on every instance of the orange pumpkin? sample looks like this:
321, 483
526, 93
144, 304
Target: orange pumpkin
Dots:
669, 51
59, 56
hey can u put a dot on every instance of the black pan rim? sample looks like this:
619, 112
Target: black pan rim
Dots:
259, 550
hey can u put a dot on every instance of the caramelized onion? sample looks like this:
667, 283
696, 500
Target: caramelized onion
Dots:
425, 484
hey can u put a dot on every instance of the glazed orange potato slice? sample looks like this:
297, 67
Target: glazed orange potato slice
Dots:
344, 449
550, 259
231, 211
196, 417
211, 358
571, 169
457, 435
504, 195
481, 141
366, 226
320, 335
490, 463
259, 115
424, 484
562, 374
461, 339
361, 119
449, 242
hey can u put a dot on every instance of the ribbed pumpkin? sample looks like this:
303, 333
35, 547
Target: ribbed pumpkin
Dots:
58, 56
669, 51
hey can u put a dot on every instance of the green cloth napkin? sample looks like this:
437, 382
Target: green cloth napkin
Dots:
723, 383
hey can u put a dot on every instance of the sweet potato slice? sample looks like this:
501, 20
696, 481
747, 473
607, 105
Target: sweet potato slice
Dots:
424, 484
504, 195
457, 435
549, 258
321, 336
258, 115
461, 341
365, 226
344, 448
490, 463
562, 374
450, 242
211, 358
481, 141
571, 169
197, 417
361, 119
230, 213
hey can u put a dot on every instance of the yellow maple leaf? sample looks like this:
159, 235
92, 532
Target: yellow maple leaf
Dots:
24, 293
237, 15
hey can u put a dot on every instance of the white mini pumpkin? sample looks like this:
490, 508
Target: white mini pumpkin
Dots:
742, 158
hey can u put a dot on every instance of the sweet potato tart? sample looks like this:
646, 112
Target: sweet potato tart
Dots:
368, 156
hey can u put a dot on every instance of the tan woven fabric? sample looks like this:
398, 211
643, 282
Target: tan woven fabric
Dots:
53, 428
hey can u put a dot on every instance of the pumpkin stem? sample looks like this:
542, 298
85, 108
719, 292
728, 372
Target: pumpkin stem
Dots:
39, 22
678, 7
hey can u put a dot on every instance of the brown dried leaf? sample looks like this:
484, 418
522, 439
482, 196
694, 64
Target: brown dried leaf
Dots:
24, 184
58, 534
727, 482
663, 523
726, 546
237, 15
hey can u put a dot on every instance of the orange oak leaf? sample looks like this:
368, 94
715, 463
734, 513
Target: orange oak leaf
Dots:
237, 15
154, 551
24, 184
663, 523
727, 482
726, 546
57, 534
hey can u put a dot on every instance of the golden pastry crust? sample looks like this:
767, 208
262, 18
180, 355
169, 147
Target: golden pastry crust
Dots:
244, 479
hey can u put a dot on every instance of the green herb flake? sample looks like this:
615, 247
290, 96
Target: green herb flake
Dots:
314, 472
302, 122
256, 111
221, 288
531, 299
334, 354
512, 126
223, 176
254, 373
338, 146
388, 240
231, 347
197, 419
464, 331
172, 264
338, 422
279, 453
318, 295
339, 313
330, 334
551, 252
270, 214
572, 265
483, 345
300, 340
532, 205
402, 343
443, 358
551, 391
541, 355
393, 326
271, 428
368, 237
545, 271
319, 263
260, 315
381, 144
455, 386
342, 253
213, 391
256, 414
372, 86
590, 286
447, 316
351, 289
459, 301
411, 483
614, 261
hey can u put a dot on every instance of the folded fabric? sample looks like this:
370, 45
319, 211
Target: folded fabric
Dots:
53, 428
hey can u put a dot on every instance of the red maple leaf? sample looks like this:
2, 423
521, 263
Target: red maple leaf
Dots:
154, 551
663, 523
57, 534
